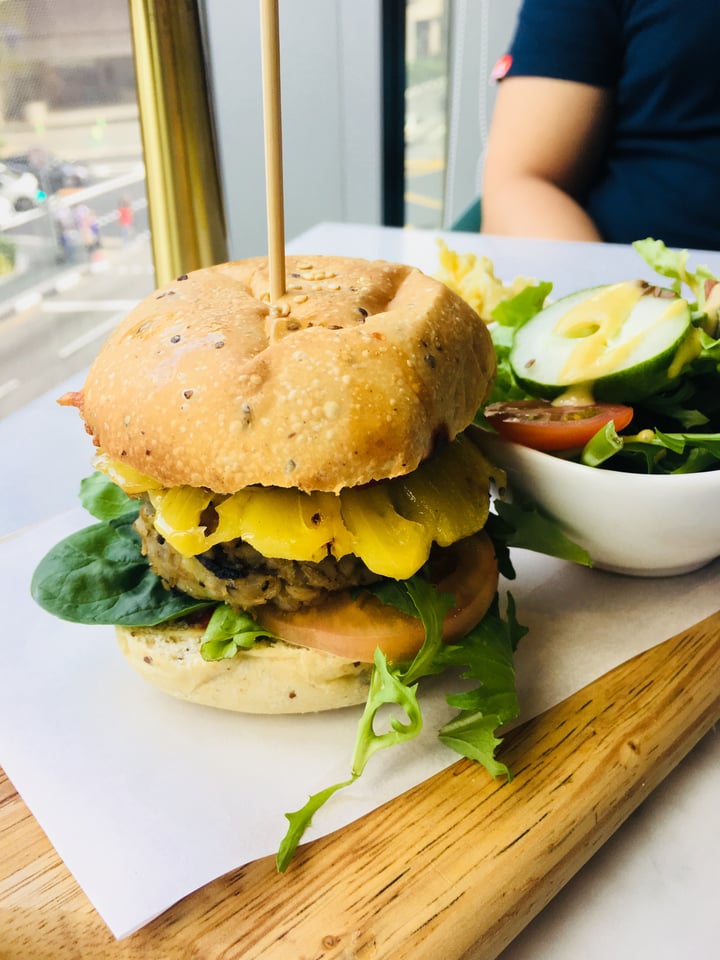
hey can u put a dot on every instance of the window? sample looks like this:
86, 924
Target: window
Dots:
76, 250
74, 242
426, 93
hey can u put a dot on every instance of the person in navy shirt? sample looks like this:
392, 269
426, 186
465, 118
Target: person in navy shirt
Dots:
607, 124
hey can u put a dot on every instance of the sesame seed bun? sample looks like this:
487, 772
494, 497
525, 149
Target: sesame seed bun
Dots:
354, 375
268, 678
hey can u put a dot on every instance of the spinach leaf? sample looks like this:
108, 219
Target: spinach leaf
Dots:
98, 575
104, 499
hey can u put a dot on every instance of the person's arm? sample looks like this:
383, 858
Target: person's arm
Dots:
544, 145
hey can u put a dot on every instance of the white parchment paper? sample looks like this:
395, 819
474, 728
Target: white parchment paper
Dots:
147, 798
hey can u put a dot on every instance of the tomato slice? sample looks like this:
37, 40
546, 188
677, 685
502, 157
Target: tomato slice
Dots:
354, 628
546, 426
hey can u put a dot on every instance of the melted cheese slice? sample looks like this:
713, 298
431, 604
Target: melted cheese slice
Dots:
390, 525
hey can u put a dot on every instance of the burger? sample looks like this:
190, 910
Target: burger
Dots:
281, 469
292, 515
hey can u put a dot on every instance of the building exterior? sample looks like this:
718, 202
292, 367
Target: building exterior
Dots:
63, 54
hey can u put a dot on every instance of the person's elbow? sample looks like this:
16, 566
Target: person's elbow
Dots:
510, 196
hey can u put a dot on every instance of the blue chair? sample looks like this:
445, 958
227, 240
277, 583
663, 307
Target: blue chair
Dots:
470, 219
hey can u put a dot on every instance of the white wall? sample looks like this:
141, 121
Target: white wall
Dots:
331, 104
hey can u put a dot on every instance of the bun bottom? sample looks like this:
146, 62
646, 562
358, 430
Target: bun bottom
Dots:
269, 678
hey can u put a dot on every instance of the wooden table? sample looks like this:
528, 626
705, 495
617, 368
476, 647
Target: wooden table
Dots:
455, 867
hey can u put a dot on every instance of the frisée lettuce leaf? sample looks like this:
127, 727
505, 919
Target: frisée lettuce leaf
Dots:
485, 656
673, 265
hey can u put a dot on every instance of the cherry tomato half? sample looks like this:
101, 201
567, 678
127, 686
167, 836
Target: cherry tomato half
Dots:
546, 426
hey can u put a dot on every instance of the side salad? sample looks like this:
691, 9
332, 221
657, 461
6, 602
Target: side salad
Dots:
624, 376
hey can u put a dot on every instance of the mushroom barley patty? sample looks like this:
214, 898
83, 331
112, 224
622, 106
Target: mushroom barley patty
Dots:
237, 574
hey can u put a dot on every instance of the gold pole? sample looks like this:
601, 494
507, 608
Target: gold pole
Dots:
185, 202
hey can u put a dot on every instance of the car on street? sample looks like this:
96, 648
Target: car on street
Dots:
21, 189
52, 173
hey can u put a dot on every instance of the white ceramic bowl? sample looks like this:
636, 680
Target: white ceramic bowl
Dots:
643, 525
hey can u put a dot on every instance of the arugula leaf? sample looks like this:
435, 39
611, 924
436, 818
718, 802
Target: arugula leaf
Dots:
662, 452
605, 444
390, 592
229, 631
387, 686
432, 606
98, 575
678, 405
300, 820
485, 655
524, 525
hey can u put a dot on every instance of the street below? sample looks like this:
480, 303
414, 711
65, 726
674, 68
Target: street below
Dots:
64, 312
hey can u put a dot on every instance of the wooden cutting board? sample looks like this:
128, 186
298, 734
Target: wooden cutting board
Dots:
455, 868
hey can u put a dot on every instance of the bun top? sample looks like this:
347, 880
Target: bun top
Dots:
354, 375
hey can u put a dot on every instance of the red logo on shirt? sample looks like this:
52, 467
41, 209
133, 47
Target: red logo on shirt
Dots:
501, 67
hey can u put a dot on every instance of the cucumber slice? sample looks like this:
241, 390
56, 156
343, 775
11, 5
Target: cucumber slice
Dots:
621, 342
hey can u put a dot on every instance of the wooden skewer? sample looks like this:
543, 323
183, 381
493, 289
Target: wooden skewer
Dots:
270, 42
